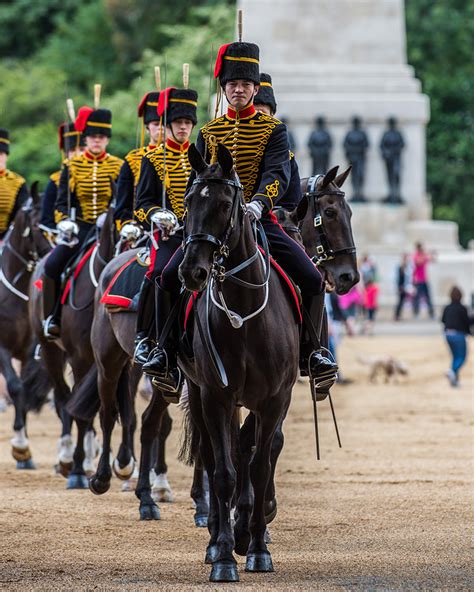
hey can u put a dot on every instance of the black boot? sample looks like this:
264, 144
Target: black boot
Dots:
162, 364
144, 343
51, 308
314, 361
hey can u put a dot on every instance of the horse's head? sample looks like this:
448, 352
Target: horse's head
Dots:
26, 236
325, 220
214, 208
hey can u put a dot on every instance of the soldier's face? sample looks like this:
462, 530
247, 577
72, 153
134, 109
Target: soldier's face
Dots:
3, 160
240, 93
181, 129
96, 143
263, 108
155, 129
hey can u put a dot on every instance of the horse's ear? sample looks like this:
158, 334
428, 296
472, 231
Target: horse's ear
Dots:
340, 179
329, 177
301, 209
224, 158
35, 193
196, 160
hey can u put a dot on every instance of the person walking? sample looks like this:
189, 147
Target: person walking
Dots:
404, 284
420, 279
457, 325
371, 292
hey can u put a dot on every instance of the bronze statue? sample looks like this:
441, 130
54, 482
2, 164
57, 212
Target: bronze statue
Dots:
355, 147
391, 148
320, 144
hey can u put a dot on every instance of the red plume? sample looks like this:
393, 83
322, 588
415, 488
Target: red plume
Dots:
82, 117
220, 57
141, 106
164, 100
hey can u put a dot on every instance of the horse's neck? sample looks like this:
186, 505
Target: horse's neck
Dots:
106, 243
11, 263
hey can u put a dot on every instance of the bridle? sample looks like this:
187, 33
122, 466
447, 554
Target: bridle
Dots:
324, 250
28, 263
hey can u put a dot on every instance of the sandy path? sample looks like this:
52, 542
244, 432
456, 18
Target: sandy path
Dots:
390, 511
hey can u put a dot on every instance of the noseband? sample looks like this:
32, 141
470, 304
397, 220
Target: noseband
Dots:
324, 250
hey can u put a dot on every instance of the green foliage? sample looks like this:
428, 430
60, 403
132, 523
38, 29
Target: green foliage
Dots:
440, 38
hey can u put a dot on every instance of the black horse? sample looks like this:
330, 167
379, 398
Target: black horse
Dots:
23, 246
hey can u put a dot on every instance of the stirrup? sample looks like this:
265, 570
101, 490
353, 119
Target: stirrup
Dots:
47, 328
171, 386
137, 346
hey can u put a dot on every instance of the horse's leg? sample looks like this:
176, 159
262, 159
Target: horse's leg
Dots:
161, 490
124, 463
77, 478
258, 556
151, 418
131, 483
218, 419
20, 445
200, 494
245, 491
270, 497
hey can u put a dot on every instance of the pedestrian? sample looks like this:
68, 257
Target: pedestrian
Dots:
371, 292
404, 284
337, 320
350, 305
368, 269
457, 325
420, 279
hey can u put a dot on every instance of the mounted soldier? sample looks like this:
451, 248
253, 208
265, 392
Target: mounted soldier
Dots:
69, 147
130, 171
160, 206
259, 146
85, 193
13, 189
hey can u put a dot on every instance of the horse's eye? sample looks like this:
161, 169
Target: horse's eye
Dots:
330, 212
225, 206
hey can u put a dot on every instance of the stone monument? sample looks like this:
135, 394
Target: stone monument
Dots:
337, 58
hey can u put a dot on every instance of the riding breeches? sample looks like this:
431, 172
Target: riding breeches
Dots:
286, 252
161, 256
62, 254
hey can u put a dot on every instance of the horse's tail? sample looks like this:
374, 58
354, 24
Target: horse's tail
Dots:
36, 382
85, 402
190, 437
125, 396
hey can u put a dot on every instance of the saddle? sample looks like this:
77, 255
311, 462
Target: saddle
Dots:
122, 293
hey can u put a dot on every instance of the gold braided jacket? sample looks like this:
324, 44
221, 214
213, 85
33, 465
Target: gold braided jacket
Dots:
10, 185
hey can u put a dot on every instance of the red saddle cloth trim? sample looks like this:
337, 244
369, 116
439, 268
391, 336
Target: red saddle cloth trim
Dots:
38, 284
85, 258
281, 273
114, 299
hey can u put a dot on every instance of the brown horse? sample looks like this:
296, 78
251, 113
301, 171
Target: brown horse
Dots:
23, 246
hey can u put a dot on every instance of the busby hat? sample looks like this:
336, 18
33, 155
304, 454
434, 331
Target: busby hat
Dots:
148, 107
4, 141
238, 61
265, 95
175, 103
68, 137
94, 121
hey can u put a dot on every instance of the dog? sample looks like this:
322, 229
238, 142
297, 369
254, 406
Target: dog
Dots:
388, 366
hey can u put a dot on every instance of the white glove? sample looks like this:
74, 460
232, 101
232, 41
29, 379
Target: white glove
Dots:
67, 232
100, 220
255, 209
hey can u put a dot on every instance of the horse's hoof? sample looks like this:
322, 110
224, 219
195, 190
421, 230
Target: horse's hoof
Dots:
64, 468
200, 520
129, 485
150, 512
266, 537
270, 510
124, 473
21, 454
224, 571
97, 486
259, 562
77, 482
211, 554
23, 465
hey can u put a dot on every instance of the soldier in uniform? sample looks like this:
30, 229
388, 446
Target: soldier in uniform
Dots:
13, 189
85, 185
259, 146
320, 144
164, 173
69, 146
130, 171
265, 102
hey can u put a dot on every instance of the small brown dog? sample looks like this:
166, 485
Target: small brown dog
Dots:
385, 365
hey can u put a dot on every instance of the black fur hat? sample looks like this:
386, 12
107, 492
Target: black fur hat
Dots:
148, 107
178, 103
4, 141
265, 95
94, 121
238, 61
69, 137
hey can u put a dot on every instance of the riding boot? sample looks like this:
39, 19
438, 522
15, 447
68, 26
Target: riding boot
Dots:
51, 308
144, 342
162, 363
313, 359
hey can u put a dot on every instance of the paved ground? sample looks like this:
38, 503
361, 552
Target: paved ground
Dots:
392, 510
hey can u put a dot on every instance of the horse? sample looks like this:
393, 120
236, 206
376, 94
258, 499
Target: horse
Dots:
75, 347
23, 246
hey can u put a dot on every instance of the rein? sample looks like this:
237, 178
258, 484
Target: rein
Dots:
324, 250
